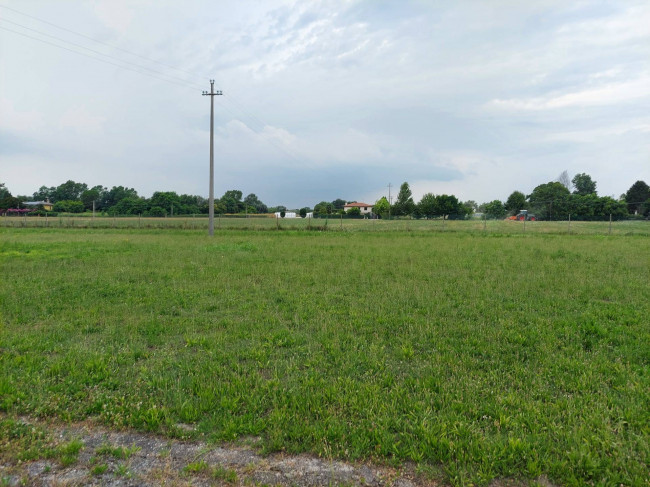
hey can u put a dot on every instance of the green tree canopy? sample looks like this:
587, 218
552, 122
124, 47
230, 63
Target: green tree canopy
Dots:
428, 205
636, 196
232, 202
323, 208
583, 184
381, 207
515, 202
114, 195
4, 192
338, 204
253, 201
495, 209
404, 204
550, 201
69, 190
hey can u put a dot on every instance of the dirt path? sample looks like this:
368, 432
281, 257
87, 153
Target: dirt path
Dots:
110, 458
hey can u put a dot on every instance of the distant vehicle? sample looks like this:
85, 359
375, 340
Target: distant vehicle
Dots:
523, 215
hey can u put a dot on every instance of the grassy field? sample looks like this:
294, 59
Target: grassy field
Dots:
476, 355
623, 227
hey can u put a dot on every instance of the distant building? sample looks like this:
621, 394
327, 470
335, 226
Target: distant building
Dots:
33, 204
287, 214
365, 208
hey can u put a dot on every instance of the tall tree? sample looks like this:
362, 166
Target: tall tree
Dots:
4, 192
550, 201
253, 201
564, 180
583, 184
428, 205
381, 207
515, 202
636, 196
114, 195
338, 204
69, 191
495, 209
404, 204
231, 200
44, 193
449, 207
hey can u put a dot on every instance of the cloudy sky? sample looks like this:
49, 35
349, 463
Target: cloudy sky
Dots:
325, 99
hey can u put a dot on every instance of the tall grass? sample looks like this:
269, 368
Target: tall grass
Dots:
481, 355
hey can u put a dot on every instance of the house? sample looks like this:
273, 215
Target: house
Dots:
34, 204
365, 208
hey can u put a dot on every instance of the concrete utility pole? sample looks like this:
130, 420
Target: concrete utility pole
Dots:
211, 94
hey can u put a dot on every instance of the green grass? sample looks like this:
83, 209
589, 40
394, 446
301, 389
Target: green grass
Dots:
481, 355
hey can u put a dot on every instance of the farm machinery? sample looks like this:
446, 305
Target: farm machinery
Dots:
523, 215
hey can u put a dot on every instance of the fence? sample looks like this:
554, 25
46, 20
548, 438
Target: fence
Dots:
199, 223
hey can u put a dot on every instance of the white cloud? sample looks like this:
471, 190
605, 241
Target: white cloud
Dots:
609, 94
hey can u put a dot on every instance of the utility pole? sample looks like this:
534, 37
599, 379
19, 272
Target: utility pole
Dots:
211, 94
389, 201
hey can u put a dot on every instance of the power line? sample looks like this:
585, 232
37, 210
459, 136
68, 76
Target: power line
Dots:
98, 52
256, 126
98, 41
185, 84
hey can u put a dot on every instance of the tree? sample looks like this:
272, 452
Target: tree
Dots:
323, 208
636, 196
114, 195
515, 202
68, 191
495, 209
404, 204
166, 200
381, 207
231, 200
428, 205
448, 206
303, 212
69, 206
354, 211
338, 204
91, 195
564, 179
550, 201
583, 184
43, 194
254, 201
4, 192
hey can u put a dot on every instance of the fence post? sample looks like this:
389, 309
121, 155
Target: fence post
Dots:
341, 221
524, 223
277, 222
484, 222
569, 222
309, 222
46, 222
610, 223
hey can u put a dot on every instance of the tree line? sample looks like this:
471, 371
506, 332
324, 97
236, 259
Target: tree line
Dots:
561, 199
74, 197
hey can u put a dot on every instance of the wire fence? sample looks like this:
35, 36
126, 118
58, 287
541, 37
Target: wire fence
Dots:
341, 223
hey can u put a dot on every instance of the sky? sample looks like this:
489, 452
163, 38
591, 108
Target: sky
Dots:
325, 99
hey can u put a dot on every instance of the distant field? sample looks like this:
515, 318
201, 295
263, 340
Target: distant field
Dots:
231, 222
475, 354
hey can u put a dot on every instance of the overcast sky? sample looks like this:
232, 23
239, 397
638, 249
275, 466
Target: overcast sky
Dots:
325, 100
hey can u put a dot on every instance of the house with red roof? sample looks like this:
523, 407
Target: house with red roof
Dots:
365, 208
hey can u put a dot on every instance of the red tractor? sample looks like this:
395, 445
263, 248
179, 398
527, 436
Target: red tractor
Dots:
523, 215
